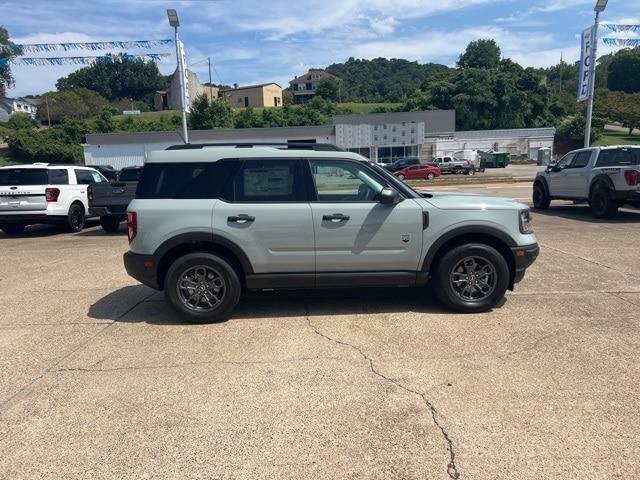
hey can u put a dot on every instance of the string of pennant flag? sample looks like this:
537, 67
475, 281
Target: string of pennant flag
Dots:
622, 42
614, 27
85, 60
54, 47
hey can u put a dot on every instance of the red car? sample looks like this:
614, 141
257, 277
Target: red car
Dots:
418, 172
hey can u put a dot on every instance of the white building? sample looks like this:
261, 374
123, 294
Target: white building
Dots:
9, 106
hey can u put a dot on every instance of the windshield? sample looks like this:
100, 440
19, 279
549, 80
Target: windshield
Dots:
24, 176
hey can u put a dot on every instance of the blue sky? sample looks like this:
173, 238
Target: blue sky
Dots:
253, 41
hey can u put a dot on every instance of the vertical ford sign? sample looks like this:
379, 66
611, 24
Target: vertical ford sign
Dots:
185, 92
586, 57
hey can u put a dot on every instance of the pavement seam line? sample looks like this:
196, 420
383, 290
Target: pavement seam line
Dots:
623, 298
589, 260
452, 469
77, 348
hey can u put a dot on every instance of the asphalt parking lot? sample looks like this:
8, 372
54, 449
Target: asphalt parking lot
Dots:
97, 379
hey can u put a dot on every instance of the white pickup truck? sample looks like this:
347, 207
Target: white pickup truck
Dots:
606, 177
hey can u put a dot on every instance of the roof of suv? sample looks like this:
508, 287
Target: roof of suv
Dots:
215, 153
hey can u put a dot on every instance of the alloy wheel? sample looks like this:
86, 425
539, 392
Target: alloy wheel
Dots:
473, 278
201, 288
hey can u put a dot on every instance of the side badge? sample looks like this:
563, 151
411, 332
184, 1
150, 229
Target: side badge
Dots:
406, 238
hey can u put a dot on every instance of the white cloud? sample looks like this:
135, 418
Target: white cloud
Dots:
383, 26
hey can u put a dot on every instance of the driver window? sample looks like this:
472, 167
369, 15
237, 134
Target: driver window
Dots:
340, 181
565, 161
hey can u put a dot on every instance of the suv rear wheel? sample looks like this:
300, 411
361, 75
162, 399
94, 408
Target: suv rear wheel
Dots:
471, 278
202, 287
601, 203
75, 218
110, 224
12, 228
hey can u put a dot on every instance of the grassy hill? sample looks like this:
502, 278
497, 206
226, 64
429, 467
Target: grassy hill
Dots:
618, 137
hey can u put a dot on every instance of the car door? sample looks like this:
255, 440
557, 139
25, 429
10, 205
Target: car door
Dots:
412, 172
576, 180
558, 182
354, 232
265, 212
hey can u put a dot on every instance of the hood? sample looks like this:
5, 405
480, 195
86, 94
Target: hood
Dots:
471, 201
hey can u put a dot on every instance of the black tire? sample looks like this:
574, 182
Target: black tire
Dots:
455, 171
450, 263
541, 200
400, 177
12, 228
75, 218
471, 171
230, 290
601, 203
431, 176
110, 224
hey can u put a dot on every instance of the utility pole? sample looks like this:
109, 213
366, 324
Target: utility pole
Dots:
561, 71
174, 22
46, 101
210, 89
600, 6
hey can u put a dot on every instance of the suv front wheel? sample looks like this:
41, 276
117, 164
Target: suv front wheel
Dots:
202, 287
471, 278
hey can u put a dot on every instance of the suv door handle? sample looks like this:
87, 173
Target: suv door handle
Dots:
242, 218
336, 217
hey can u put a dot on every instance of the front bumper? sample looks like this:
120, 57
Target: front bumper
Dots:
143, 268
523, 258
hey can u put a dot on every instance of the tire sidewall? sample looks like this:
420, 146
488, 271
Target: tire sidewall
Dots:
431, 176
110, 224
401, 177
445, 291
601, 203
542, 201
70, 226
220, 264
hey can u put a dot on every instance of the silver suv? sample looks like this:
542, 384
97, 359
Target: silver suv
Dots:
209, 222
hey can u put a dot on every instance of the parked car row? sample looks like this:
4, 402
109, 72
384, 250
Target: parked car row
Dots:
64, 195
406, 168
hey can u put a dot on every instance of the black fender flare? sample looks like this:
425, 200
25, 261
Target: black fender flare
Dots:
542, 181
461, 231
600, 179
205, 237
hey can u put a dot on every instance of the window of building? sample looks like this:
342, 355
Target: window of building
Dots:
403, 133
309, 86
375, 138
240, 100
393, 129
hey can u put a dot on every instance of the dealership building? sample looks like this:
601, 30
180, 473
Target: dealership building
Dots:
382, 137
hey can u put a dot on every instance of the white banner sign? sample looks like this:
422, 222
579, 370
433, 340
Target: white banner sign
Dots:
586, 57
185, 93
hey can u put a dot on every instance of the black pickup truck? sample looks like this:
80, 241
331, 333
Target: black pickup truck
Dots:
109, 201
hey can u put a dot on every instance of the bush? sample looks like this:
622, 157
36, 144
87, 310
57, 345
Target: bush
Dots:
19, 121
44, 146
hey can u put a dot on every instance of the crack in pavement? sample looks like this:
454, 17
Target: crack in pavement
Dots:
452, 468
4, 403
589, 261
193, 364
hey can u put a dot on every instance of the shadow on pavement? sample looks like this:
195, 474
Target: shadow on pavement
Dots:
44, 230
99, 232
582, 213
139, 304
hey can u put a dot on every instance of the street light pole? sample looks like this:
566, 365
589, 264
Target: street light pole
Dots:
600, 6
175, 23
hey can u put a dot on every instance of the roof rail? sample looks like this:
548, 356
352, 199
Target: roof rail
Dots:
323, 147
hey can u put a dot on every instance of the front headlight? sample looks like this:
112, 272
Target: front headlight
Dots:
526, 224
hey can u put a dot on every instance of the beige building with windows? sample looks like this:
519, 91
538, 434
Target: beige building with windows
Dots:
304, 87
263, 95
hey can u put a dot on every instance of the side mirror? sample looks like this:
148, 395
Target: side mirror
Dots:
389, 196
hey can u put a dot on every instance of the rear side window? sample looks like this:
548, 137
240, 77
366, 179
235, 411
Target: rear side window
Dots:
24, 176
87, 177
59, 177
185, 180
130, 175
268, 181
619, 157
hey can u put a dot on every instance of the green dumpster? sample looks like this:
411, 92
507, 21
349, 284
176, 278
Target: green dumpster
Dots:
495, 159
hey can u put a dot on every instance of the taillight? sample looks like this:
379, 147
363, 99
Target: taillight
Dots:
52, 194
132, 225
632, 177
90, 192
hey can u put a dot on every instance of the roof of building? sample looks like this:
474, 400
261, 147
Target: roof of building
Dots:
260, 85
203, 136
498, 134
307, 76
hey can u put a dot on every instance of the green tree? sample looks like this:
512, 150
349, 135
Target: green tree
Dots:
620, 107
78, 103
571, 131
8, 51
206, 115
20, 121
624, 71
329, 89
122, 78
483, 53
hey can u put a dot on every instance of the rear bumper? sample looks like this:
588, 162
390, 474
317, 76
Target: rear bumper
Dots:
30, 218
523, 257
143, 268
108, 211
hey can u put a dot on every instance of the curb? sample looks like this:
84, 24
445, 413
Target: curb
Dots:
469, 181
